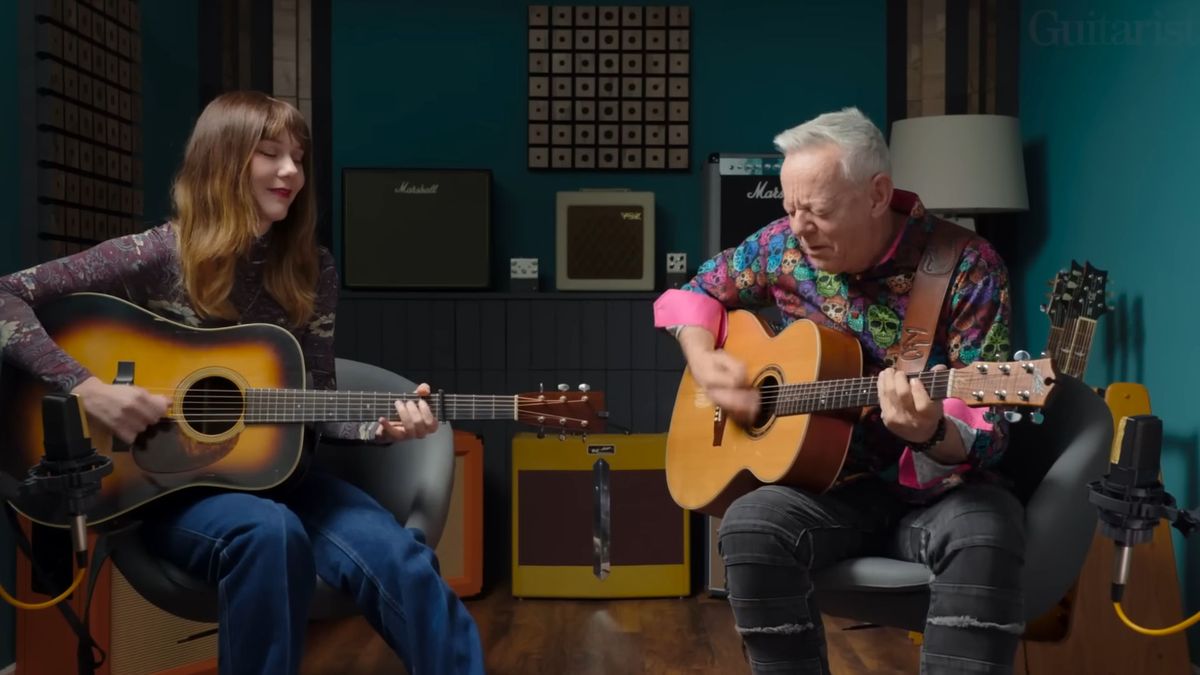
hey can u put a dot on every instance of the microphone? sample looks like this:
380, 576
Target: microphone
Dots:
71, 467
1131, 497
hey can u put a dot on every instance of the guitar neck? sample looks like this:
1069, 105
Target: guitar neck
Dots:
857, 392
1070, 349
265, 406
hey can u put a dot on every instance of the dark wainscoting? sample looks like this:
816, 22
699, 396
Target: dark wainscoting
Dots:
505, 343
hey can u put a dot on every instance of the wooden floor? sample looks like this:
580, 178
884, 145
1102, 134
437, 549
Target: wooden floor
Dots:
670, 636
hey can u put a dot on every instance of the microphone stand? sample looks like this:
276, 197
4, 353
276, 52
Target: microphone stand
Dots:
71, 470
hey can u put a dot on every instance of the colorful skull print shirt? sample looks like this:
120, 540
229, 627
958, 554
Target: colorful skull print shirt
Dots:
144, 269
770, 267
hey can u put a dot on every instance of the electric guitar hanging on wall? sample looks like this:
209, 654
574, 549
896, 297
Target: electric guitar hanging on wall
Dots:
1077, 301
809, 382
239, 405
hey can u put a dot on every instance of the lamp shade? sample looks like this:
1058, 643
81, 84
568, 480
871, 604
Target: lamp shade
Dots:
961, 164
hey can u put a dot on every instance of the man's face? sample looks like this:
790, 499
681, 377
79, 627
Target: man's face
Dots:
836, 220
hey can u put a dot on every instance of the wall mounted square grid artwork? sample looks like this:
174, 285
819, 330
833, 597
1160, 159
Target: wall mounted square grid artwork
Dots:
609, 87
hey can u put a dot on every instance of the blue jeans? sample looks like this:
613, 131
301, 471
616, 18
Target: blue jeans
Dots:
265, 555
972, 539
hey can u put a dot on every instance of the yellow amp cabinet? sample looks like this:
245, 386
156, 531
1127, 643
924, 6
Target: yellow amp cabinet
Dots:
594, 519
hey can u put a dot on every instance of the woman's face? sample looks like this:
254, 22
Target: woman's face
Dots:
276, 176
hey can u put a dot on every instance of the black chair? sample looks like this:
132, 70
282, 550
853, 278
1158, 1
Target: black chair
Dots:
1051, 465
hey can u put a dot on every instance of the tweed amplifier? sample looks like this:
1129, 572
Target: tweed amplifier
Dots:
605, 240
138, 637
594, 519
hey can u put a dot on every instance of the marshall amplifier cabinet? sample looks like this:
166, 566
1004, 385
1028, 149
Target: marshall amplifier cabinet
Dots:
594, 519
402, 228
605, 240
741, 195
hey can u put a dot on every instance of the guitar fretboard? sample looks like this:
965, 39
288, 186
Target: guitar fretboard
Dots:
1071, 356
269, 406
858, 392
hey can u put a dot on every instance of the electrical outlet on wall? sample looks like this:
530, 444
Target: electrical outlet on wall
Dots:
523, 268
676, 269
523, 274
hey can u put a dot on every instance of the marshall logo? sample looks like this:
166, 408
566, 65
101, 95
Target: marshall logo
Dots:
602, 449
761, 192
631, 215
407, 188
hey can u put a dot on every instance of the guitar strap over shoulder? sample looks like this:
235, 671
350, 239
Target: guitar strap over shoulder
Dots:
930, 283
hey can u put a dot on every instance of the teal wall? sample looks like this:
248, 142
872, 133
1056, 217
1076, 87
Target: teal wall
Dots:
1110, 121
422, 84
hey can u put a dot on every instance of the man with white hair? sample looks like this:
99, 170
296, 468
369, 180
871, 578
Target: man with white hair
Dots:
916, 484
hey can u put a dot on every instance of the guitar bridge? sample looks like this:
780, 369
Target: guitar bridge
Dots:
718, 426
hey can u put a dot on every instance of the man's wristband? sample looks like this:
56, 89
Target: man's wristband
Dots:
939, 435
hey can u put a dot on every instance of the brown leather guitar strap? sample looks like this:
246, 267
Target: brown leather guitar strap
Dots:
930, 283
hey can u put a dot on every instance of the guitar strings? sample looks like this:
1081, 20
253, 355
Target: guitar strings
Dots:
816, 391
822, 391
172, 418
230, 406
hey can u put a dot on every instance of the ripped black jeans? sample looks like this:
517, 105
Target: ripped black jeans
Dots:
972, 538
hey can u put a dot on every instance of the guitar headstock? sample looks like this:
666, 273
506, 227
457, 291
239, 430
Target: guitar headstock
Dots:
1093, 292
1080, 292
1062, 295
563, 411
1024, 382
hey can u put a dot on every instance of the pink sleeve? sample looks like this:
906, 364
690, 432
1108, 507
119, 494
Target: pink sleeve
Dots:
972, 416
688, 308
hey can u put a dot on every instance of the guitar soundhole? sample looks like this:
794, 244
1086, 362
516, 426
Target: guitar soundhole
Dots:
212, 406
768, 391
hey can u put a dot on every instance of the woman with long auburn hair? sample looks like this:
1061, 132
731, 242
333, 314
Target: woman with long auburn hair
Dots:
241, 248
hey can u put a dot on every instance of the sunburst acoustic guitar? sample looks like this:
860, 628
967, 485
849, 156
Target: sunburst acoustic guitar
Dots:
239, 405
809, 380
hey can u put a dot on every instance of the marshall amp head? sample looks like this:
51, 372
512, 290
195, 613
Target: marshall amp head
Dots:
399, 226
605, 240
741, 195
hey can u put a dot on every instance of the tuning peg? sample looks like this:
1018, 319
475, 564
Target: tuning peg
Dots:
562, 434
1043, 355
1021, 355
585, 387
1012, 416
1043, 309
989, 416
541, 433
541, 387
564, 387
1037, 417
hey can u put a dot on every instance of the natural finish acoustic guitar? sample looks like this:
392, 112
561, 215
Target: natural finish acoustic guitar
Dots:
239, 405
811, 388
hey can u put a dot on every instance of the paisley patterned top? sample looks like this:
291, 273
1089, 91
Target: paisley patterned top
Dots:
144, 269
769, 267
